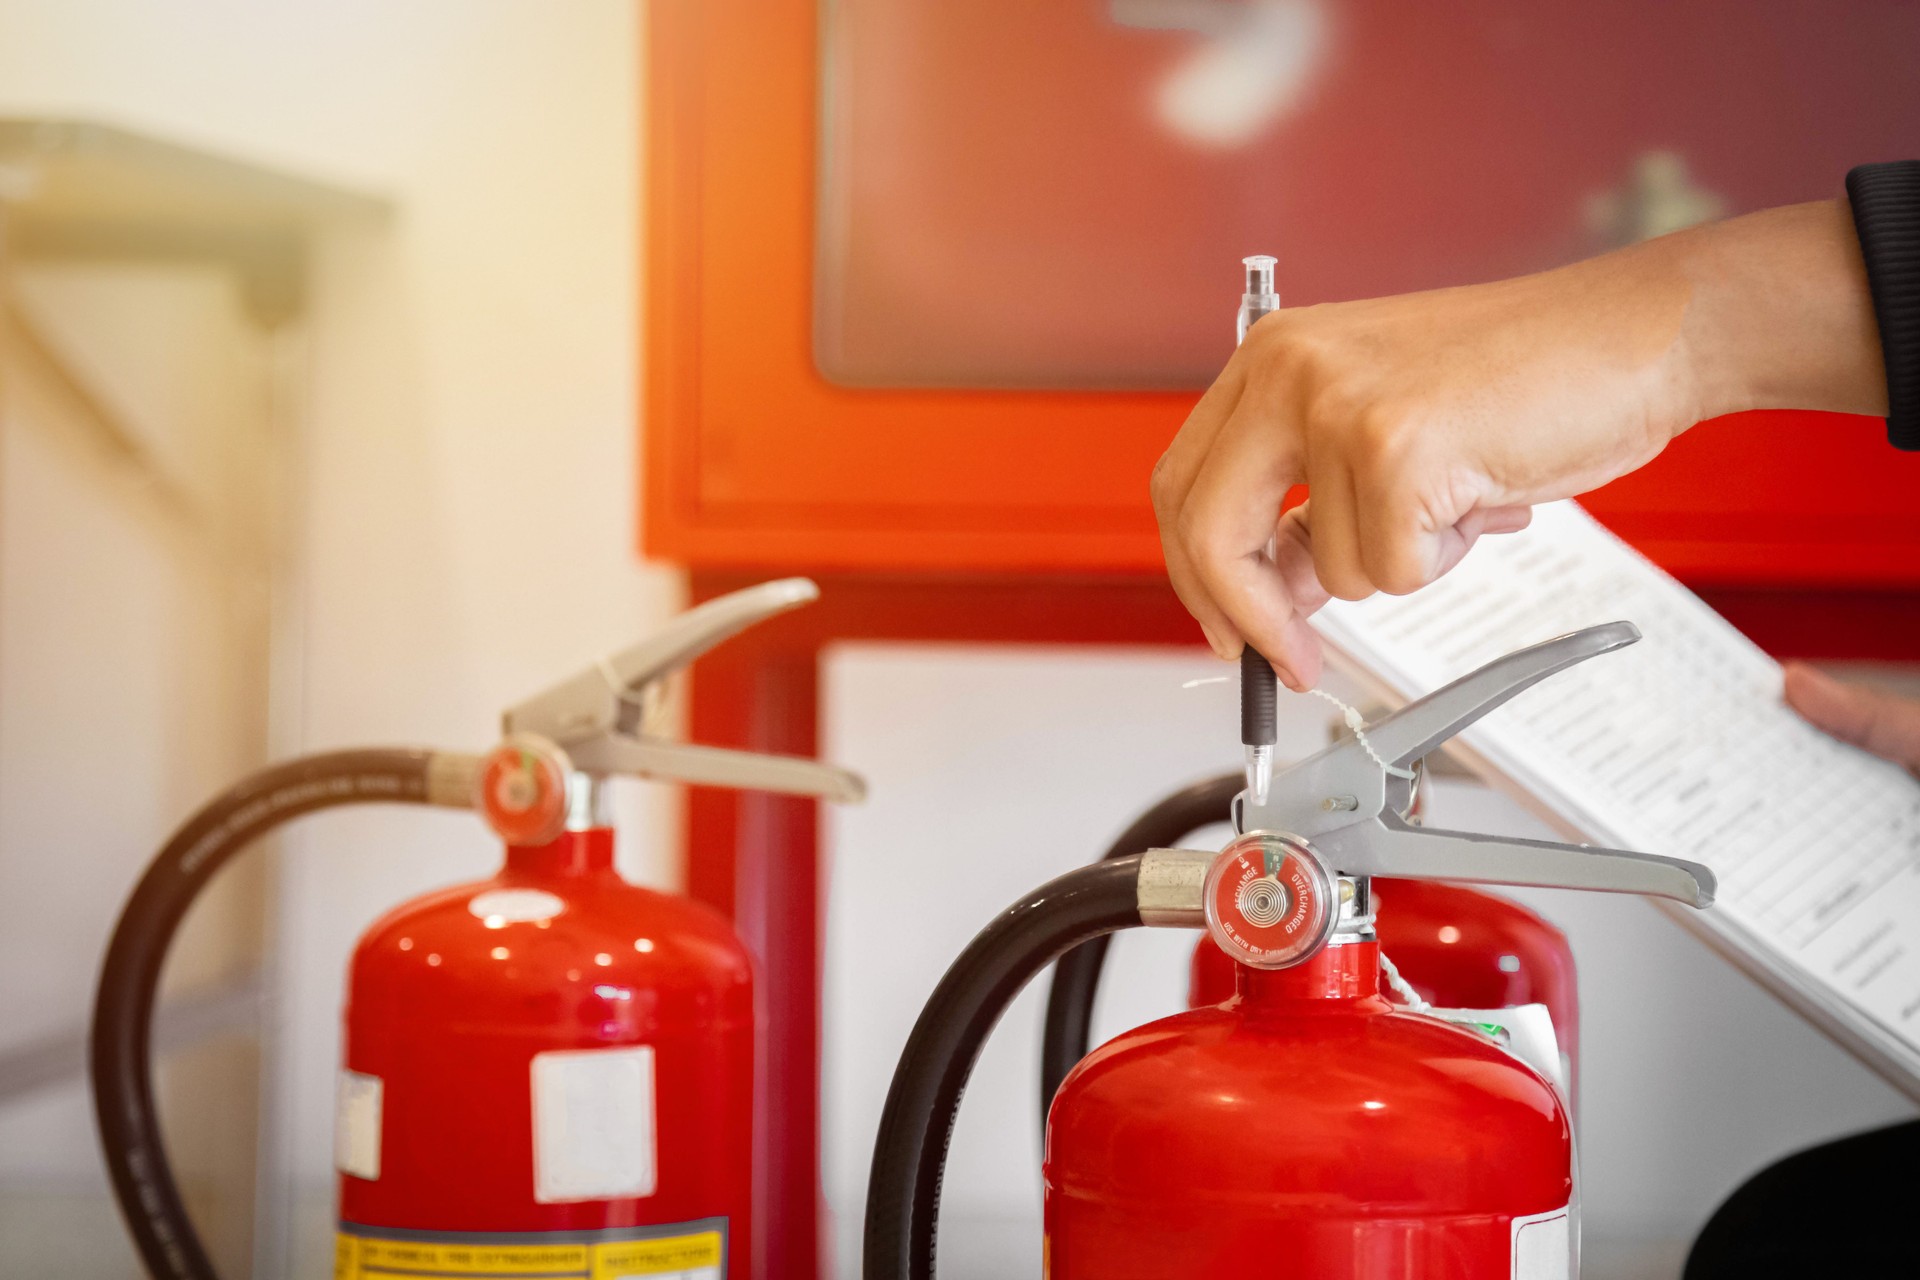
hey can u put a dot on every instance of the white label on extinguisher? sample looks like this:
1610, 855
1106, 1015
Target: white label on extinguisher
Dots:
1542, 1246
356, 1124
593, 1124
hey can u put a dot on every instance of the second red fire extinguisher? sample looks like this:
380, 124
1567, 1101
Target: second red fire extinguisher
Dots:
548, 1072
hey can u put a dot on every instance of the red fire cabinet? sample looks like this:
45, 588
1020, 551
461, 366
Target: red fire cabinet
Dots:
872, 230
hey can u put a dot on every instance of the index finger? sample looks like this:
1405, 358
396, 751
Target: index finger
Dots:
1172, 483
1231, 512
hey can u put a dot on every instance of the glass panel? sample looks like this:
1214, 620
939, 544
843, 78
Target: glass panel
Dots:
1057, 195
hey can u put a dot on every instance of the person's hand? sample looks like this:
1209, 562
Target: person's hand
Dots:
1419, 423
1884, 723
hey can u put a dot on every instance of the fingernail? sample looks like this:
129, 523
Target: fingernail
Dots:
1213, 642
1806, 674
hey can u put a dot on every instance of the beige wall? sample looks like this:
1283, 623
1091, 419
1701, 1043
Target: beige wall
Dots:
470, 404
132, 663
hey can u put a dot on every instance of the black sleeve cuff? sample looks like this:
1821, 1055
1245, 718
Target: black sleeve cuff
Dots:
1886, 213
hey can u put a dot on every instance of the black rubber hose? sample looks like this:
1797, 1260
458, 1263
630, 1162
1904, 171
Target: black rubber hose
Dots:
1076, 979
136, 1156
910, 1154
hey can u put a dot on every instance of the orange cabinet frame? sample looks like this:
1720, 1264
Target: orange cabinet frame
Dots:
753, 458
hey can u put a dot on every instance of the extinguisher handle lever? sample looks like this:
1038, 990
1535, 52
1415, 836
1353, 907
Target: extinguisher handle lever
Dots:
1427, 723
1347, 800
704, 627
597, 716
603, 697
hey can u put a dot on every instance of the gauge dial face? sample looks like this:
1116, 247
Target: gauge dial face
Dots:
1269, 901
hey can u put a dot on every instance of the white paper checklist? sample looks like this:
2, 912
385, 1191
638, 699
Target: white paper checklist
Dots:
1680, 745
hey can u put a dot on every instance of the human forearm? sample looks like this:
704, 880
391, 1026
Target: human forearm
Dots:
1779, 315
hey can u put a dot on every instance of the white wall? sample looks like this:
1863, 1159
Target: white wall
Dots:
471, 484
1017, 764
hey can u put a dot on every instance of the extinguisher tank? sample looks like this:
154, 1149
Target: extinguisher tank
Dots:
506, 1045
1305, 1127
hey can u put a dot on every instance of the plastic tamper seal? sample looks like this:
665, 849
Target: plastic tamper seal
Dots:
1269, 901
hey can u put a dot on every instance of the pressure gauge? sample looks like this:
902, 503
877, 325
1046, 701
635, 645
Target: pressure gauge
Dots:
1269, 901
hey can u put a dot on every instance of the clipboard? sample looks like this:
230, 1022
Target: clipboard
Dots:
1679, 745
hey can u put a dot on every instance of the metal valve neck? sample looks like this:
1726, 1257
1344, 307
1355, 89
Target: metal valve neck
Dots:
571, 853
587, 806
1355, 920
1334, 973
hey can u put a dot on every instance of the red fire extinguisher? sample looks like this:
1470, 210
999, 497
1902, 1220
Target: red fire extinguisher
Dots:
1456, 947
1307, 1126
548, 1072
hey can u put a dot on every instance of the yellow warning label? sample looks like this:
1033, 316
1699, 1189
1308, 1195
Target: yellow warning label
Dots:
697, 1255
657, 1257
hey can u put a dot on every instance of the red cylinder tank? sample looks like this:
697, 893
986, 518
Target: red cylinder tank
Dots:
1460, 948
548, 1071
1307, 1127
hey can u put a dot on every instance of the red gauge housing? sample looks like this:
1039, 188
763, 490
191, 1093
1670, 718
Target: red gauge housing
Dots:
551, 1070
523, 791
1460, 948
1269, 901
1307, 1127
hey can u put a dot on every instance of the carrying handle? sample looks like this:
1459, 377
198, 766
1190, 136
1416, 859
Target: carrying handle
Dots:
1388, 846
698, 765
